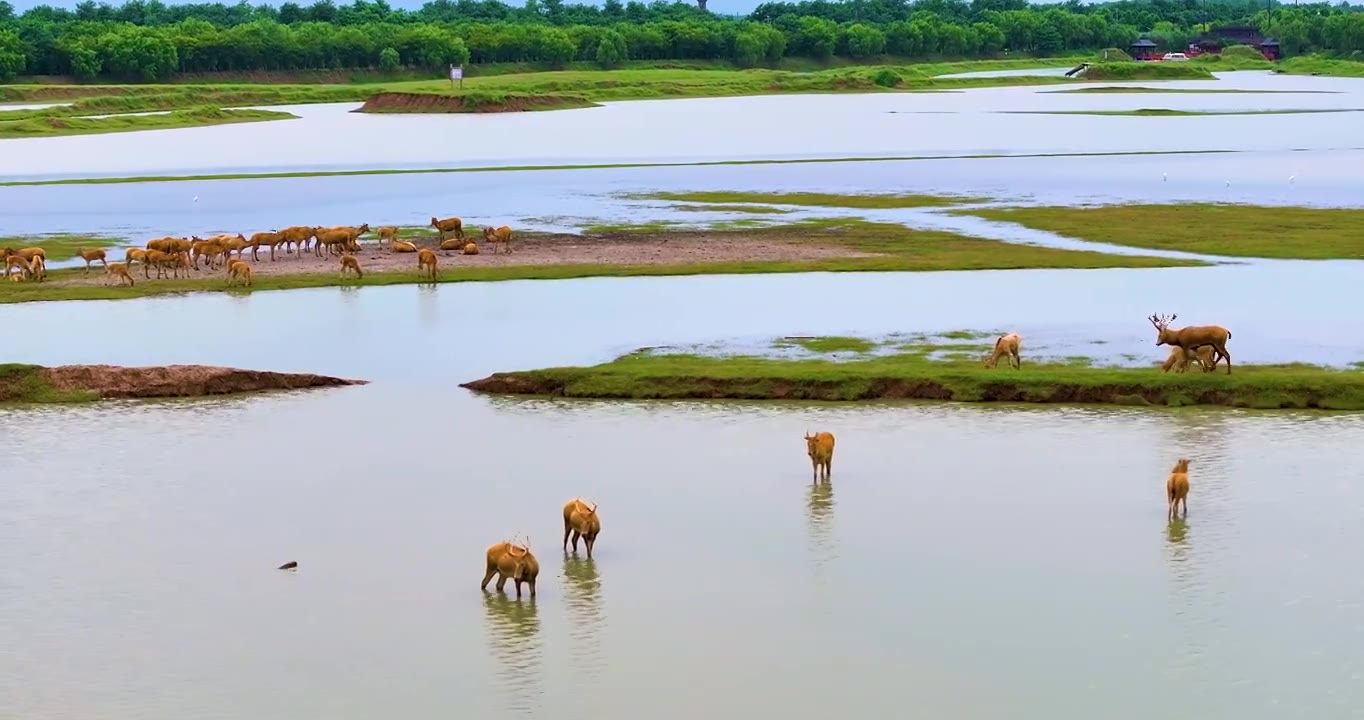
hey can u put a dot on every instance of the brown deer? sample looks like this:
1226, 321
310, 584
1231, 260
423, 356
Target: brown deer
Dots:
1179, 359
1006, 345
581, 521
1177, 489
389, 233
119, 270
509, 561
470, 248
239, 271
494, 236
1193, 337
348, 261
90, 256
820, 448
426, 263
453, 224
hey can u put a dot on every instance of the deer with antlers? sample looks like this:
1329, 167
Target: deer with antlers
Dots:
581, 521
1193, 337
508, 560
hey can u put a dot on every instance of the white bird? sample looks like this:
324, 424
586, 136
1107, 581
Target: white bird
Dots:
1163, 177
196, 198
1228, 183
1290, 179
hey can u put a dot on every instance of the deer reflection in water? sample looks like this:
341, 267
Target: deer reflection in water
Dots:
582, 593
514, 633
819, 504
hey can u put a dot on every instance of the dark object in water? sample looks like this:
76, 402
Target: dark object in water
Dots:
289, 565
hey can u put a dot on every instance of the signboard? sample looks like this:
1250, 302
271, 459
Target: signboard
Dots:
456, 72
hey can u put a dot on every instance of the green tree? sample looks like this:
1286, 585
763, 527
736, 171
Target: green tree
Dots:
134, 52
611, 49
12, 55
555, 47
865, 41
388, 59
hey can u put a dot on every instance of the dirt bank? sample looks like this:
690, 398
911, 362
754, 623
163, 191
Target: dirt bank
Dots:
583, 383
531, 250
420, 103
33, 383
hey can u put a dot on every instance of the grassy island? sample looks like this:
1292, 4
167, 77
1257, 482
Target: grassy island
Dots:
918, 375
1231, 230
947, 370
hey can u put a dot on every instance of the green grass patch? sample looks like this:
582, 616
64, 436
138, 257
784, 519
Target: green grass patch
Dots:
814, 199
1317, 65
894, 248
1164, 112
198, 117
832, 344
27, 384
59, 246
1205, 228
1115, 90
1146, 71
754, 209
593, 166
911, 376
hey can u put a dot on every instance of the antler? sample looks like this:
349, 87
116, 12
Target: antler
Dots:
594, 507
1160, 321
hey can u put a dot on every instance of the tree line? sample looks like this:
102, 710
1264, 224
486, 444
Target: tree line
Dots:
148, 40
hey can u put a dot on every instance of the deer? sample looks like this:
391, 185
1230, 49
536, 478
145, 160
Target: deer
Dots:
426, 263
1177, 489
119, 270
348, 261
820, 448
1179, 359
1006, 345
1193, 337
452, 224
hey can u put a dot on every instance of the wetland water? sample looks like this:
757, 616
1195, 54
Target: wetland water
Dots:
969, 562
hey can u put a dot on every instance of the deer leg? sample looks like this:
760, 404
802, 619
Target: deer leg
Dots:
576, 535
1222, 350
492, 569
501, 580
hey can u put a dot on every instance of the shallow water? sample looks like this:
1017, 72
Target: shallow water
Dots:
785, 126
982, 579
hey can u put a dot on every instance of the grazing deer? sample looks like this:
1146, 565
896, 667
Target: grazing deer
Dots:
1179, 359
581, 521
509, 561
1177, 489
239, 271
348, 261
1006, 345
494, 236
1193, 337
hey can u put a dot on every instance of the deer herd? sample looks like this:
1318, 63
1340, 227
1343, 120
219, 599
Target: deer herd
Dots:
1202, 344
172, 256
510, 560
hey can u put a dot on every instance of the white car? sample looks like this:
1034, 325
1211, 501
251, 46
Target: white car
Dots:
1175, 56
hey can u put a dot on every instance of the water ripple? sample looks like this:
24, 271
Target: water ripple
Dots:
514, 636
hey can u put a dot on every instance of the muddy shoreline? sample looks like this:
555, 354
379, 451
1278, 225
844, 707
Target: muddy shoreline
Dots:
73, 383
532, 249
